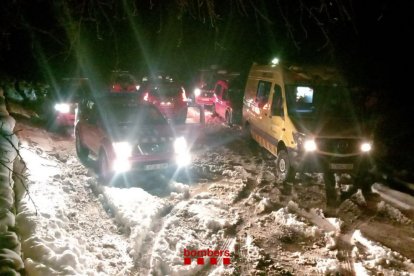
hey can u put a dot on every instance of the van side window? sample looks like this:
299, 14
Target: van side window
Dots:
277, 107
263, 91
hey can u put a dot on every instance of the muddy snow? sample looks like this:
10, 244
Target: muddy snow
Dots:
227, 215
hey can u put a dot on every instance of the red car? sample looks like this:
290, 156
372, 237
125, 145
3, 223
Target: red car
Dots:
204, 96
228, 102
123, 81
168, 96
124, 135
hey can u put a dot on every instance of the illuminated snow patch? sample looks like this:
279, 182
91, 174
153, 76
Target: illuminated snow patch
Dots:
135, 209
196, 224
48, 247
291, 221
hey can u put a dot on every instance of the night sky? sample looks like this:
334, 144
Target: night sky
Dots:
368, 39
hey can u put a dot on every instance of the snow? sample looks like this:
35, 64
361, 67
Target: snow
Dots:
196, 224
135, 209
380, 256
51, 249
48, 246
72, 225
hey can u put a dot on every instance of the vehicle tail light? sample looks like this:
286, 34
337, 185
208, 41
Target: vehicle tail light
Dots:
146, 97
166, 103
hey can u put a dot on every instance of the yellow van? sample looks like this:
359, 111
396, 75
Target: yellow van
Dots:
308, 118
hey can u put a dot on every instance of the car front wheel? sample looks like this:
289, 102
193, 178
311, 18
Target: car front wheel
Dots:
285, 172
81, 151
104, 171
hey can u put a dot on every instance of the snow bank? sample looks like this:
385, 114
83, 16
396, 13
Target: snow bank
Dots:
10, 259
49, 247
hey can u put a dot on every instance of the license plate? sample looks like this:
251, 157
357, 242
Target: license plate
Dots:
341, 166
156, 166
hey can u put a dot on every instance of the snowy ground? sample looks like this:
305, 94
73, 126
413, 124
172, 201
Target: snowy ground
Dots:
232, 210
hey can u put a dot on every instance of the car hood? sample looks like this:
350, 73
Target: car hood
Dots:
135, 133
331, 127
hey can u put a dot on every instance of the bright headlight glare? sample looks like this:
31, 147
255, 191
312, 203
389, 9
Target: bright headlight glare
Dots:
366, 147
62, 107
183, 159
309, 145
197, 92
121, 165
180, 145
123, 150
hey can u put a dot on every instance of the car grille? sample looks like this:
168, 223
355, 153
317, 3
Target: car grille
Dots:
339, 146
154, 148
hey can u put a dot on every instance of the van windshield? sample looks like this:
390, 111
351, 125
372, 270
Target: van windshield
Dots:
322, 100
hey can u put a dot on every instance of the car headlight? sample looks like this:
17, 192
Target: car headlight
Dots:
197, 92
309, 145
366, 147
183, 157
180, 145
62, 107
123, 150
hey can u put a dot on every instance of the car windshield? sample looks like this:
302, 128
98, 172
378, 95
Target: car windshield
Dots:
143, 115
166, 90
322, 100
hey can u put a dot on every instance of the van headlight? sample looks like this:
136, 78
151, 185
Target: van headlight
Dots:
183, 156
62, 107
366, 147
309, 145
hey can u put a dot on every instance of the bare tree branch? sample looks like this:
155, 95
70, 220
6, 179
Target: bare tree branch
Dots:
21, 177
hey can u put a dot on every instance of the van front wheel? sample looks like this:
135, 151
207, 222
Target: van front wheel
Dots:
285, 172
